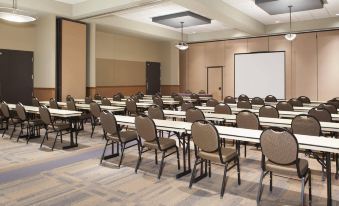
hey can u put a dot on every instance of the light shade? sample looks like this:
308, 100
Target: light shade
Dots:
290, 36
16, 15
182, 46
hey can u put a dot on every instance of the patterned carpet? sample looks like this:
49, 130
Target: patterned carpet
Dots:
33, 176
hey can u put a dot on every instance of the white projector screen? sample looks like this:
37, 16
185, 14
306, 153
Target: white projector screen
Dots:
260, 74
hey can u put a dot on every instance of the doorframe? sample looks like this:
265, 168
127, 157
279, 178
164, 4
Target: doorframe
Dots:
222, 78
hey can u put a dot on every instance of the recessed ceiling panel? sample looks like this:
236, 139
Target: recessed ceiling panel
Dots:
187, 17
274, 7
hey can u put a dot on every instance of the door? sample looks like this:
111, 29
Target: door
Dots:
215, 82
152, 77
16, 83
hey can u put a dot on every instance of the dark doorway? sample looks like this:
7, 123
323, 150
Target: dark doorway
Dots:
16, 79
152, 77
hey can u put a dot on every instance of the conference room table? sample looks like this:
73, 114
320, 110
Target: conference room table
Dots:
284, 114
304, 108
306, 142
87, 106
71, 116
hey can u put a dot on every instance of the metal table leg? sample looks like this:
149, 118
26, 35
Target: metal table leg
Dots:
187, 165
73, 124
329, 179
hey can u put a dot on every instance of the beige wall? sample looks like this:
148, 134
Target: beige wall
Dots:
311, 62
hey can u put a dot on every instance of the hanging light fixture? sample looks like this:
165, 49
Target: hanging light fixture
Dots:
290, 36
14, 14
182, 45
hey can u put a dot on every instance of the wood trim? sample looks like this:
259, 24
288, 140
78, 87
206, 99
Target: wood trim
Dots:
44, 94
169, 89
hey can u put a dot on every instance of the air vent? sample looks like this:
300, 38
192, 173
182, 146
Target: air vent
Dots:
189, 19
274, 7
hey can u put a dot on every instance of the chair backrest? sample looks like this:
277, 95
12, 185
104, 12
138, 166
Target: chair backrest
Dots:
186, 105
334, 102
279, 146
131, 106
21, 112
109, 123
270, 98
268, 111
121, 95
69, 98
243, 97
247, 120
95, 109
205, 136
202, 92
284, 106
180, 99
212, 103
295, 102
35, 102
117, 97
244, 105
156, 112
53, 104
194, 114
135, 98
105, 101
88, 100
222, 109
229, 100
158, 101
188, 91
97, 96
321, 114
71, 105
258, 101
330, 107
146, 128
5, 110
304, 99
45, 115
306, 125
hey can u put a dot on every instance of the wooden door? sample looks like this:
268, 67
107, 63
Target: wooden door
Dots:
215, 82
152, 77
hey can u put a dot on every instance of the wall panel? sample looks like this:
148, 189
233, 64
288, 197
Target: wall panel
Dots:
196, 75
214, 53
257, 44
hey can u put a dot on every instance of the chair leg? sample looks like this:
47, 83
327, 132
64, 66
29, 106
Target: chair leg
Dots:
309, 186
245, 149
93, 126
122, 153
271, 181
238, 170
103, 153
56, 137
302, 190
178, 158
43, 139
224, 180
261, 187
209, 168
193, 173
13, 131
61, 137
140, 148
156, 156
21, 132
161, 164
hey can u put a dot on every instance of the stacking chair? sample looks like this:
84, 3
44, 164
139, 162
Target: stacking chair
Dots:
222, 109
212, 103
244, 105
270, 98
202, 92
334, 102
147, 131
180, 99
121, 95
330, 107
280, 147
284, 106
97, 96
9, 119
53, 104
158, 101
95, 115
155, 112
105, 101
229, 100
194, 114
258, 101
69, 98
60, 128
268, 111
295, 102
117, 97
196, 97
113, 135
246, 120
84, 116
243, 97
131, 107
35, 102
186, 105
174, 94
188, 91
88, 100
135, 98
32, 126
304, 99
321, 114
208, 149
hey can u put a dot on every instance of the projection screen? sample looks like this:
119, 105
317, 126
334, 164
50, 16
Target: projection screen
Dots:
260, 74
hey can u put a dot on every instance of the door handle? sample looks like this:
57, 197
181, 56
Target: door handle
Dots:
219, 88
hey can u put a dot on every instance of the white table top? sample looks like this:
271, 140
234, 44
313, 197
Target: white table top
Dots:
54, 112
139, 104
305, 141
87, 106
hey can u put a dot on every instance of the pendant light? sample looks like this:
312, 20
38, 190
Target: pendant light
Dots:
182, 45
16, 15
290, 36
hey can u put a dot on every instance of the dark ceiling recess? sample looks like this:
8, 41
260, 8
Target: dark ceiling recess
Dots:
189, 19
274, 7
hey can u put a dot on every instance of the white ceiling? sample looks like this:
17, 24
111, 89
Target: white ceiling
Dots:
71, 1
249, 8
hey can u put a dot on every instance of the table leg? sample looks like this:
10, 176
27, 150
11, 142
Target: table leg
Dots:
187, 165
329, 179
73, 125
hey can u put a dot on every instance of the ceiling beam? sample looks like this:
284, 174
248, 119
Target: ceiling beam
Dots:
221, 11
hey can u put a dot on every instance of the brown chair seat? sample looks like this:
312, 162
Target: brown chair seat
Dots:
125, 136
290, 170
227, 154
165, 143
59, 126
